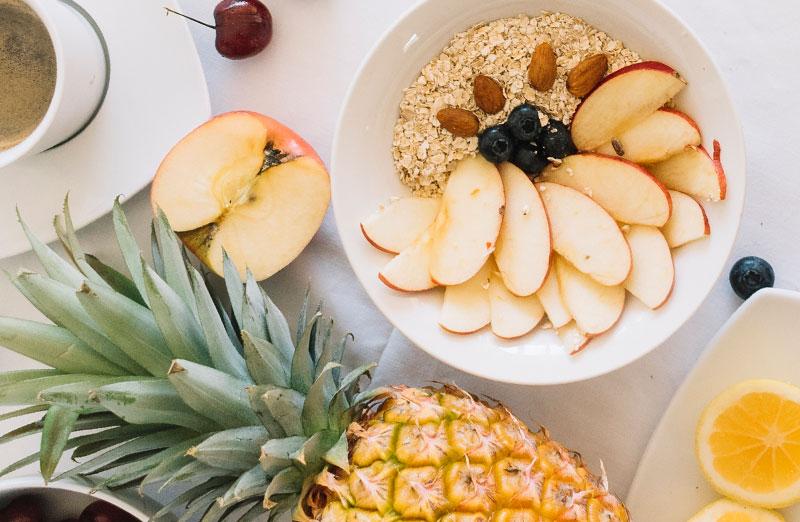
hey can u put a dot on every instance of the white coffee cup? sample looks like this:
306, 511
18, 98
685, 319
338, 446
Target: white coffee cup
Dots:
80, 78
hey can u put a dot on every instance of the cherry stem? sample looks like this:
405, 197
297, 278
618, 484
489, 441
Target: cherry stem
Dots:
168, 10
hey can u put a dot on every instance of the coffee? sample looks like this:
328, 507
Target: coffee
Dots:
27, 72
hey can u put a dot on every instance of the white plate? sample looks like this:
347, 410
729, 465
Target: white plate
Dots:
157, 93
758, 341
363, 176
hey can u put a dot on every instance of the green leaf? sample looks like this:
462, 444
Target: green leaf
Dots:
65, 231
25, 392
153, 401
301, 321
36, 408
253, 513
213, 393
116, 280
221, 349
129, 325
53, 346
255, 394
58, 424
155, 249
302, 376
78, 395
128, 247
226, 320
234, 449
254, 318
327, 351
178, 324
201, 505
233, 283
55, 266
338, 454
18, 376
286, 406
315, 408
175, 272
276, 454
23, 431
250, 484
167, 467
264, 362
288, 481
332, 352
196, 492
279, 333
339, 402
310, 455
195, 471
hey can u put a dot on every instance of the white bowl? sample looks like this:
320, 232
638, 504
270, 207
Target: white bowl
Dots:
363, 176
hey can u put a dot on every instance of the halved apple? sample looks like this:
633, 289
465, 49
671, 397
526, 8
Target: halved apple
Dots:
466, 307
627, 191
688, 221
409, 270
394, 227
468, 222
245, 183
659, 136
512, 316
573, 338
693, 172
622, 100
653, 275
585, 234
595, 307
550, 297
523, 245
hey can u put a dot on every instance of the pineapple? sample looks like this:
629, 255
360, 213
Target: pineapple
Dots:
155, 381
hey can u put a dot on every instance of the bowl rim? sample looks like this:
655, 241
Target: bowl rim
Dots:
658, 339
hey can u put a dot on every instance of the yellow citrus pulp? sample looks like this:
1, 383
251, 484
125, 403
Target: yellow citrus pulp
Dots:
729, 511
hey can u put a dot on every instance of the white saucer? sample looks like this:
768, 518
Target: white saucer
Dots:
157, 93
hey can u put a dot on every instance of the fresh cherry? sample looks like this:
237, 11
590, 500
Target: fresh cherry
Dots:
243, 27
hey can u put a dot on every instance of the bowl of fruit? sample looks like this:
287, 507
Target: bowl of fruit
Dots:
28, 499
538, 192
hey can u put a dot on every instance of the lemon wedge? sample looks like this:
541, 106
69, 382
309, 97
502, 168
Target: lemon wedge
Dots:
729, 511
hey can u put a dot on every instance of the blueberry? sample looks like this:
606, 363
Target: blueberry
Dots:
750, 274
555, 140
523, 122
496, 144
527, 157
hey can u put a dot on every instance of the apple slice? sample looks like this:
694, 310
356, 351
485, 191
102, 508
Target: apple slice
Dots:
394, 227
693, 172
245, 183
653, 275
523, 245
512, 316
573, 338
550, 297
469, 221
622, 100
595, 307
687, 222
662, 134
585, 234
466, 307
627, 191
408, 270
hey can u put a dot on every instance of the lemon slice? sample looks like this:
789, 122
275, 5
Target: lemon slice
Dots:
729, 511
748, 443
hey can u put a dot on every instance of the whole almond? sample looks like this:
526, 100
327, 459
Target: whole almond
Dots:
586, 75
460, 122
488, 94
542, 71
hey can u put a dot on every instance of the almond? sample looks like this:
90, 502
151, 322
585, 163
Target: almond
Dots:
542, 71
586, 75
488, 94
460, 122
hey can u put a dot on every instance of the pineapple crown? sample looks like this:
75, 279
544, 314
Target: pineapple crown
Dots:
155, 380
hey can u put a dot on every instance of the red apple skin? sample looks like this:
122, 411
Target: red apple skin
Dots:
684, 116
371, 242
723, 180
398, 289
581, 347
463, 333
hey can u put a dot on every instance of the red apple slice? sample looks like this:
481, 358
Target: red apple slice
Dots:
585, 234
688, 221
595, 307
550, 297
693, 172
662, 134
408, 271
523, 245
512, 316
468, 223
245, 183
622, 100
627, 191
573, 338
466, 307
394, 227
653, 275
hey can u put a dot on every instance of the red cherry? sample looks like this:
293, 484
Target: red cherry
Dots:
244, 28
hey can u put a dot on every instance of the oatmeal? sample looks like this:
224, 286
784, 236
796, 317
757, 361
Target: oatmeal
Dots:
424, 153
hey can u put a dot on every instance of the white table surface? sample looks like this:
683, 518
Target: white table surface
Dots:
301, 80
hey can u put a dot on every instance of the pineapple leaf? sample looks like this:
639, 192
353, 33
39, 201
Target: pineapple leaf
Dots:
59, 303
338, 454
339, 403
175, 272
58, 424
254, 315
14, 466
250, 484
202, 504
264, 362
286, 482
53, 346
36, 408
189, 495
276, 453
250, 511
333, 352
25, 392
309, 457
286, 406
155, 249
213, 393
116, 280
226, 319
196, 471
221, 350
255, 394
233, 283
129, 325
303, 313
128, 247
55, 266
302, 376
18, 376
153, 401
314, 416
23, 431
65, 231
279, 333
326, 351
179, 326
167, 467
78, 395
234, 449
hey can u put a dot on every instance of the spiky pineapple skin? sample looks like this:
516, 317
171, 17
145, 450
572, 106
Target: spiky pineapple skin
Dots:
441, 455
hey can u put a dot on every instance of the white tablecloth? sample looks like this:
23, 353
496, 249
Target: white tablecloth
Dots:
301, 80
